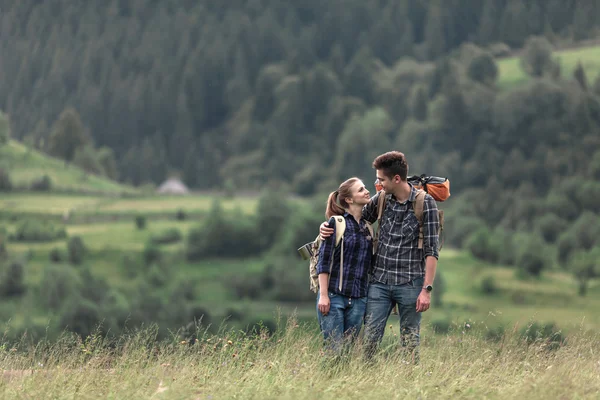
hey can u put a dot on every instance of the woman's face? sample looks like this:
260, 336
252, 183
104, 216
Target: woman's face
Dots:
360, 194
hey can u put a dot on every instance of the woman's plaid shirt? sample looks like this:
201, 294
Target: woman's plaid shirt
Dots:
399, 259
358, 253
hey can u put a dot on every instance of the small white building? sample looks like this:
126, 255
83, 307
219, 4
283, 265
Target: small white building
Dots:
173, 186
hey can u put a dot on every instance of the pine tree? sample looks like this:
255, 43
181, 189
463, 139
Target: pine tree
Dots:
67, 135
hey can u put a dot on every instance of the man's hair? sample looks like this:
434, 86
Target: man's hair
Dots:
391, 164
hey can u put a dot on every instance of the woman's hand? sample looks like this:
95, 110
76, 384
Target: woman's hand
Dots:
324, 304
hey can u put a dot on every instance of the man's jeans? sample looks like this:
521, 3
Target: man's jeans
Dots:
344, 320
379, 305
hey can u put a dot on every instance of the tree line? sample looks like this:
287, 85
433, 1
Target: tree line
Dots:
213, 91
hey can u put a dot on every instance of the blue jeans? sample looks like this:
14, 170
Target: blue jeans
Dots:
344, 320
380, 302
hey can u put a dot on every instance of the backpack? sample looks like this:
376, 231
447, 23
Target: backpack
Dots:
310, 251
438, 188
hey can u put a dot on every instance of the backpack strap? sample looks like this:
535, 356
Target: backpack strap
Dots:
418, 205
380, 209
380, 205
340, 229
370, 228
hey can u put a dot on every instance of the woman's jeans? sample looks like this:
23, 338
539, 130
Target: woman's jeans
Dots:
344, 320
380, 302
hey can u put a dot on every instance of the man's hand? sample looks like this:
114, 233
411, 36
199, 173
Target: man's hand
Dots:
423, 301
324, 304
325, 231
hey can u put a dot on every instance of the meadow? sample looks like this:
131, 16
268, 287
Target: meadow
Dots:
552, 298
494, 333
290, 364
510, 73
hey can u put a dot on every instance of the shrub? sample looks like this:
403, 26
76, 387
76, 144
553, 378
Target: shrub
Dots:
441, 325
532, 256
151, 253
56, 255
488, 285
495, 334
223, 235
81, 317
478, 244
37, 231
157, 276
59, 282
546, 334
5, 181
94, 288
13, 280
42, 184
272, 213
181, 215
171, 235
140, 222
76, 249
550, 226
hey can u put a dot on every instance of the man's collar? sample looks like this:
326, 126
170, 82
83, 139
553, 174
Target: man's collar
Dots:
411, 196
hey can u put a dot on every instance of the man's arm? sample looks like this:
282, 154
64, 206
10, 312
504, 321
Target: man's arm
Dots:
369, 211
430, 250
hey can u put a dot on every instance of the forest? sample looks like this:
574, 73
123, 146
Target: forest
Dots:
248, 95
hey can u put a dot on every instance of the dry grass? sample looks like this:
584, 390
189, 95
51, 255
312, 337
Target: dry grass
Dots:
290, 365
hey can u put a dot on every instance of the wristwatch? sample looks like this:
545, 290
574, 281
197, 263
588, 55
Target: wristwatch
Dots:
429, 288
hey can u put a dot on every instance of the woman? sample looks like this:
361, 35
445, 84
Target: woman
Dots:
343, 269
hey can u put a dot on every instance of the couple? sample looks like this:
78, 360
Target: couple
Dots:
356, 285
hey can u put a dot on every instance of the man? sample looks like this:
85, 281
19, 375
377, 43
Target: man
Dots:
402, 272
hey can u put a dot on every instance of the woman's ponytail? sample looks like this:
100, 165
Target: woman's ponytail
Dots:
333, 207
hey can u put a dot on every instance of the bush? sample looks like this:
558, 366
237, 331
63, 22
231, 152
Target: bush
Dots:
180, 215
140, 222
488, 285
56, 255
59, 282
478, 244
495, 334
550, 226
532, 256
441, 326
171, 235
42, 184
5, 181
157, 276
3, 238
81, 317
37, 231
151, 254
271, 216
548, 335
13, 280
223, 235
76, 249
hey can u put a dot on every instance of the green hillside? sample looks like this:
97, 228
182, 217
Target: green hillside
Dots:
511, 74
27, 165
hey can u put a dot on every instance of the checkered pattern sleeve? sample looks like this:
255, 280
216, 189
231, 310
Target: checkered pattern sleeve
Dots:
431, 223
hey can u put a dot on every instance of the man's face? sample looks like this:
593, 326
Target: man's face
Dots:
387, 183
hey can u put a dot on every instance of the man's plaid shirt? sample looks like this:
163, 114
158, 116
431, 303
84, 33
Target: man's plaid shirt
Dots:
399, 259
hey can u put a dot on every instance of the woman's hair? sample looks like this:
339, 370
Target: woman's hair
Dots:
336, 203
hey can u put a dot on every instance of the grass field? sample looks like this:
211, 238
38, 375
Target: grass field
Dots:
89, 206
511, 74
290, 365
26, 165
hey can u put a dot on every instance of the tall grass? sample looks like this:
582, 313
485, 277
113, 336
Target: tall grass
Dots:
290, 364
